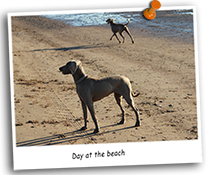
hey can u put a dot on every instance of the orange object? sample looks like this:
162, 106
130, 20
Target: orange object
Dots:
150, 12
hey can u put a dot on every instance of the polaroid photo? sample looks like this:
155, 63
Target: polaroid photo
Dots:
104, 87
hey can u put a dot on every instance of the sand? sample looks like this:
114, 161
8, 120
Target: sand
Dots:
47, 109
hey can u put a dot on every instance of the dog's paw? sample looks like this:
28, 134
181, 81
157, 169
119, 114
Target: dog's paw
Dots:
83, 128
121, 122
96, 131
137, 124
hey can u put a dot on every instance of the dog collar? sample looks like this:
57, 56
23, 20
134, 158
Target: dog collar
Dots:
81, 79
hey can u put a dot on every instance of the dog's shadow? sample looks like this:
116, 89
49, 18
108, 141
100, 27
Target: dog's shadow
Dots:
90, 46
69, 137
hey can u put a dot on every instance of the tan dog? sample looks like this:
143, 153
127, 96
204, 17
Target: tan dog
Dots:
119, 28
90, 90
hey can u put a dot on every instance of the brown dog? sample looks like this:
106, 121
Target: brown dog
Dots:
90, 90
119, 28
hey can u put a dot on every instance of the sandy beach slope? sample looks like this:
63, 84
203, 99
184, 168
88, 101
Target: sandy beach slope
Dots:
48, 110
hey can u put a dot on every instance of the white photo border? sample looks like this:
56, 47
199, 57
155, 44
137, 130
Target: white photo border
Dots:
138, 153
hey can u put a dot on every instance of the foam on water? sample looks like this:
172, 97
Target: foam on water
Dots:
87, 19
136, 20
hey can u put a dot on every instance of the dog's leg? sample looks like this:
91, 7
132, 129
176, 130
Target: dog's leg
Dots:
112, 36
92, 112
118, 98
130, 101
84, 108
128, 32
122, 36
117, 38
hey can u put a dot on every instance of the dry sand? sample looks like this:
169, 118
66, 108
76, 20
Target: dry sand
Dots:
48, 110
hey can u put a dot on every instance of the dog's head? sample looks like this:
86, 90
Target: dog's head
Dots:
110, 20
70, 67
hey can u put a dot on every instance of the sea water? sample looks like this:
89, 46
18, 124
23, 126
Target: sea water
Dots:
136, 20
87, 19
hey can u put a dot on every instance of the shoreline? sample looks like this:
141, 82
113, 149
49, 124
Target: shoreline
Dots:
47, 106
168, 23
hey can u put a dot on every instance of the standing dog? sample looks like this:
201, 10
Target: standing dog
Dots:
119, 28
90, 90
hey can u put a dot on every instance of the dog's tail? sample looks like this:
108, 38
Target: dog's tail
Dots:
128, 22
136, 95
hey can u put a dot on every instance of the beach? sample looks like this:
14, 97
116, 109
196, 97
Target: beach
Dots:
160, 66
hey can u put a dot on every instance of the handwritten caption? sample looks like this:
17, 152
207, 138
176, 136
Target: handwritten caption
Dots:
97, 154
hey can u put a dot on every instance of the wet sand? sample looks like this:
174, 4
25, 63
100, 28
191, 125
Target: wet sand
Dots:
160, 65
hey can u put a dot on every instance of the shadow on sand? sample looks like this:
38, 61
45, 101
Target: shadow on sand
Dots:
67, 137
91, 46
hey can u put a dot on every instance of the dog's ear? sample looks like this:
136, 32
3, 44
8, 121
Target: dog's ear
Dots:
74, 66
